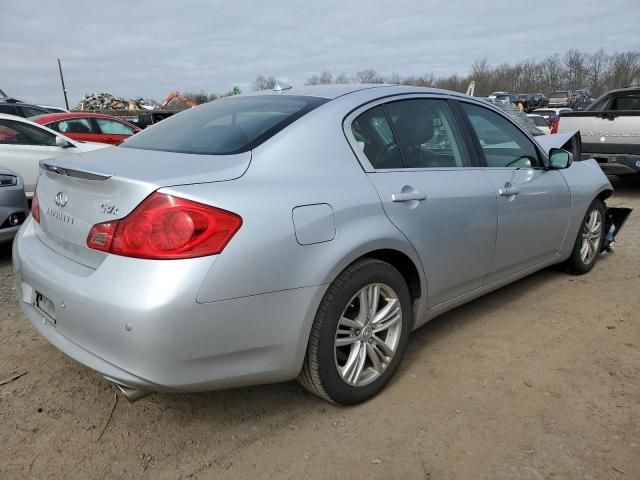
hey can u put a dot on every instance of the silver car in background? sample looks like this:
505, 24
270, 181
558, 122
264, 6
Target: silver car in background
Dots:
13, 204
299, 234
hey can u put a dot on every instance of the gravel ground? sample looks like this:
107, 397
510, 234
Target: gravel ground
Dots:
539, 380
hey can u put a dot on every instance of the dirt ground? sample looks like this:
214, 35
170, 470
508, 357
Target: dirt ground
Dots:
539, 380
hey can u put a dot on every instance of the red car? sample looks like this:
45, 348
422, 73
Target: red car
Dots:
88, 127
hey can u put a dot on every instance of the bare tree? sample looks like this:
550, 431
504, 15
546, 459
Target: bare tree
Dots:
624, 69
369, 76
343, 78
597, 67
324, 78
575, 69
263, 83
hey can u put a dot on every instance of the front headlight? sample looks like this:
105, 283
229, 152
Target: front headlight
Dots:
8, 180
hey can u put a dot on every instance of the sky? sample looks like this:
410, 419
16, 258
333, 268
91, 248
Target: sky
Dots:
148, 48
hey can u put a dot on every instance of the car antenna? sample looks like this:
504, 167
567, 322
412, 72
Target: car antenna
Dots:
281, 86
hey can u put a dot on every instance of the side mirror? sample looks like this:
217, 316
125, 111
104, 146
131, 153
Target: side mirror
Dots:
559, 159
63, 142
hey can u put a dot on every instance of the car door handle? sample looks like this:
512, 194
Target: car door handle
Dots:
508, 190
407, 197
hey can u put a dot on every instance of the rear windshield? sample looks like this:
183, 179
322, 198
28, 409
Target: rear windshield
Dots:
539, 121
559, 95
226, 126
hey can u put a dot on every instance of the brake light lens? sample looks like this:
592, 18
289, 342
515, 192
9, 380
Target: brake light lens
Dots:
166, 227
35, 207
554, 125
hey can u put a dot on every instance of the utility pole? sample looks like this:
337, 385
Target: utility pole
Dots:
64, 89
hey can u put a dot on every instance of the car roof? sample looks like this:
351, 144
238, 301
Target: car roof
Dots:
339, 90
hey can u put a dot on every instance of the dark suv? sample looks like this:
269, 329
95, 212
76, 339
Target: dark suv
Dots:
22, 109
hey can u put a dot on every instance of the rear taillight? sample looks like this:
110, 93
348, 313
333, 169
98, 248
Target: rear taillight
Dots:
166, 227
554, 125
35, 207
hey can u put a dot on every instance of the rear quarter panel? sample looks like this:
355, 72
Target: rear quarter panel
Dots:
308, 163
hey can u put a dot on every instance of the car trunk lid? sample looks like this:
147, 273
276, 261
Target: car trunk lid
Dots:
75, 194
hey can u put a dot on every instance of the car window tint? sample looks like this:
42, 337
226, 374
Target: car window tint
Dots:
32, 111
73, 125
539, 121
18, 133
427, 133
626, 102
225, 126
9, 109
113, 127
503, 144
373, 134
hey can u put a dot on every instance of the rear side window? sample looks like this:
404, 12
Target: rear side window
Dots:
18, 133
32, 111
427, 133
626, 102
376, 140
113, 127
10, 109
227, 126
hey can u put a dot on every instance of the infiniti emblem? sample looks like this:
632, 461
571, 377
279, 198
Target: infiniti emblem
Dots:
61, 199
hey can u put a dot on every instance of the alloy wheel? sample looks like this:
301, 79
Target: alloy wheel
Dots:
591, 237
368, 334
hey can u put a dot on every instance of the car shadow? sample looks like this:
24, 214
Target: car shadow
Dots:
628, 187
5, 254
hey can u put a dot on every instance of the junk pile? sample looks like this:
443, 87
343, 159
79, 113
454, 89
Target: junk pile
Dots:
106, 101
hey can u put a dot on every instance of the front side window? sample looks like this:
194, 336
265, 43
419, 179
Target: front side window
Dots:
503, 144
18, 133
113, 127
73, 125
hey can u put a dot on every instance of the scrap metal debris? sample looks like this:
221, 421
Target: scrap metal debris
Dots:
106, 101
11, 378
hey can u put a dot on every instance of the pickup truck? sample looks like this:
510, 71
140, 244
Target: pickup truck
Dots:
610, 131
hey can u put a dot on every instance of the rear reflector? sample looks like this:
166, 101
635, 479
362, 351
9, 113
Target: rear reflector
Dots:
166, 227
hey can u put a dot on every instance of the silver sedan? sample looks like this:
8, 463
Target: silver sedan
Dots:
13, 204
295, 234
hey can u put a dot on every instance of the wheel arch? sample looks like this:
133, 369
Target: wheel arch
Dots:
403, 259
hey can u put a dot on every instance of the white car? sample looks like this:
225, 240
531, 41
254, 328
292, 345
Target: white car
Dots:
540, 122
24, 143
551, 111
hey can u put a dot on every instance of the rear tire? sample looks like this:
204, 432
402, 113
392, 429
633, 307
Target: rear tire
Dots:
589, 241
359, 335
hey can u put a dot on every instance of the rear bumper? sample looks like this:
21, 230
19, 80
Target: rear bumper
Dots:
158, 337
612, 164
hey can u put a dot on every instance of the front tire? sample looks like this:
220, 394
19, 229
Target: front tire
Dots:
359, 335
589, 242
